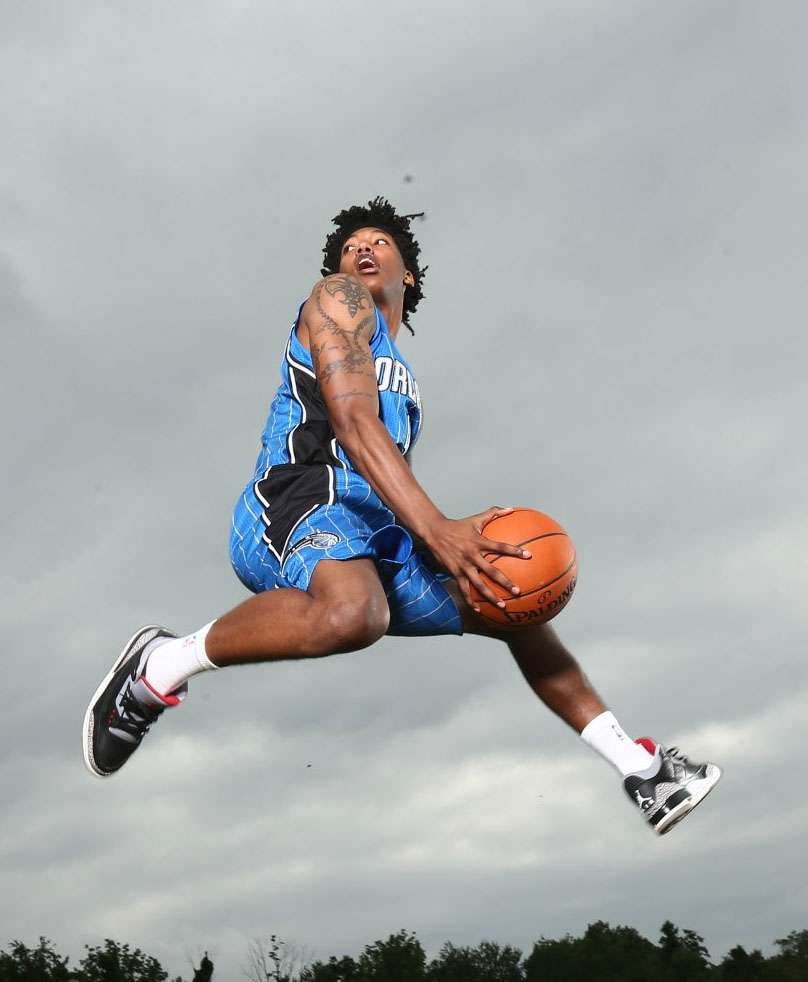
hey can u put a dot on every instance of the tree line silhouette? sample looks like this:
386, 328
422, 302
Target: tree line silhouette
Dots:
602, 954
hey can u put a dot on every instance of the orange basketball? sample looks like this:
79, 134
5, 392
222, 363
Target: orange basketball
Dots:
546, 580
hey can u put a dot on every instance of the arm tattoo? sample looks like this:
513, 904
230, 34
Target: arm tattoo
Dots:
353, 358
338, 348
355, 393
346, 290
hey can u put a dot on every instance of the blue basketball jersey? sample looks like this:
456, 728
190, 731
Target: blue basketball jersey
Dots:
306, 503
298, 431
301, 465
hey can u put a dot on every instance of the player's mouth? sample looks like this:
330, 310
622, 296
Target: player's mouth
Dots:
366, 265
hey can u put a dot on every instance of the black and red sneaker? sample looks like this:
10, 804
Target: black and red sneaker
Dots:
124, 706
671, 787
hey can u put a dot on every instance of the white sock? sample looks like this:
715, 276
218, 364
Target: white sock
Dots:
171, 663
608, 738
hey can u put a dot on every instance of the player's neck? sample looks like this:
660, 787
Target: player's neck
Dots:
392, 313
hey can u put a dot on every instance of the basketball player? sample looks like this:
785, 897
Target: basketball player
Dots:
340, 544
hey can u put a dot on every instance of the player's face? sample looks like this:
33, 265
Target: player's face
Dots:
372, 256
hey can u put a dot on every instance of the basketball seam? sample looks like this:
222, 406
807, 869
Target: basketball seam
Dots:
537, 589
536, 538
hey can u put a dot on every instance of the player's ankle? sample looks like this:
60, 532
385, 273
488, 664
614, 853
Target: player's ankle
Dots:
171, 663
608, 738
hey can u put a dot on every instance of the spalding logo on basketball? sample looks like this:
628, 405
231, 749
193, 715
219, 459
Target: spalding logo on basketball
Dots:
546, 580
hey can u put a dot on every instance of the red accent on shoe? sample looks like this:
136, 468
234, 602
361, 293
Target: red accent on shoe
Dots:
168, 700
648, 744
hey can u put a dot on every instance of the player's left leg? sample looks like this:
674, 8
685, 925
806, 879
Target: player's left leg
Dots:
662, 782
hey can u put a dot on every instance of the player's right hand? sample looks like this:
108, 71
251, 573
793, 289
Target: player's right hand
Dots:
460, 548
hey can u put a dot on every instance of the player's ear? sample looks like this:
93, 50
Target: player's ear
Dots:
409, 279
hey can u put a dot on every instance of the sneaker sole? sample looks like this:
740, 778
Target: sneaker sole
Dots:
698, 792
89, 719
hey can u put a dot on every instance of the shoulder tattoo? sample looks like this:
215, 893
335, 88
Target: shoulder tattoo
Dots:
350, 292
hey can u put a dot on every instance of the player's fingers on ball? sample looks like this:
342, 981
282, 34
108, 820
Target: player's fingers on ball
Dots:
495, 511
500, 510
505, 548
485, 589
495, 574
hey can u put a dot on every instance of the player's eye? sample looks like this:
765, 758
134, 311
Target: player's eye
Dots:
380, 239
347, 248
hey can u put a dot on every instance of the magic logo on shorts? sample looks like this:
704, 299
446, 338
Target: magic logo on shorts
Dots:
314, 540
317, 540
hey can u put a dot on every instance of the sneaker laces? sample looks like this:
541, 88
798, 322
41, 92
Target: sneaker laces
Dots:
682, 767
134, 717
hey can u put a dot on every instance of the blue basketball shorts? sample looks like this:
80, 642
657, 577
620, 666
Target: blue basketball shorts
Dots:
357, 526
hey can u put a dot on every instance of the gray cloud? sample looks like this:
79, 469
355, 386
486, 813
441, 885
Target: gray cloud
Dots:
612, 333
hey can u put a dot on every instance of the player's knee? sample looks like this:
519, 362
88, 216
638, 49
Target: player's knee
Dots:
356, 622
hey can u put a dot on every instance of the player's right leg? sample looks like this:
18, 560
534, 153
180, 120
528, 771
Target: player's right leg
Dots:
343, 609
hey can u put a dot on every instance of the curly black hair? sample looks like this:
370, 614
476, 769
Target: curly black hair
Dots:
379, 213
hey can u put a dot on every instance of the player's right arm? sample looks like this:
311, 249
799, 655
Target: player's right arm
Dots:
336, 324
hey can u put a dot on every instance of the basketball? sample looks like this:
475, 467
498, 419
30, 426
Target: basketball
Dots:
546, 580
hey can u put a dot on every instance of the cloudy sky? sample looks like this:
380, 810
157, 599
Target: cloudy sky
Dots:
617, 204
